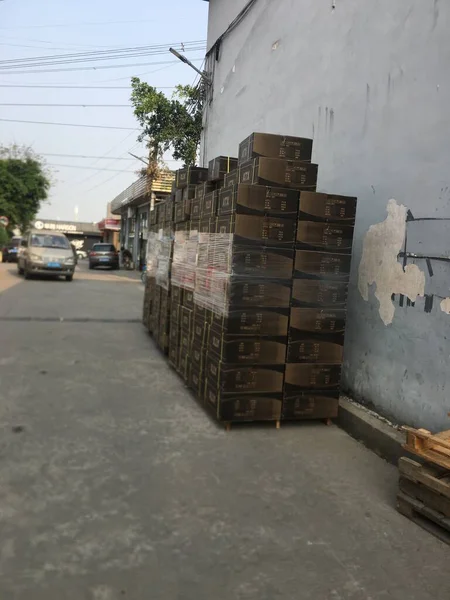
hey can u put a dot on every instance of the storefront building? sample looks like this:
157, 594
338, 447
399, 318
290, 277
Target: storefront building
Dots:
81, 235
134, 206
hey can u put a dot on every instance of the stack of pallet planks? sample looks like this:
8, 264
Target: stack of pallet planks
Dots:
424, 487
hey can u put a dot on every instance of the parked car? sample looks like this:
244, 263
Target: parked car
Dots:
46, 254
103, 255
10, 251
81, 254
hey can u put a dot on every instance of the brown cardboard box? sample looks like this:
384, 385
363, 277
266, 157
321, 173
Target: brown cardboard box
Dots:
244, 379
333, 237
175, 311
255, 261
242, 407
315, 206
323, 265
201, 313
185, 340
207, 225
190, 176
209, 205
198, 356
174, 355
182, 212
189, 192
196, 382
316, 320
247, 351
301, 377
258, 199
188, 299
244, 292
275, 146
231, 178
196, 209
220, 166
183, 364
307, 348
169, 211
319, 292
200, 332
253, 322
310, 404
294, 174
176, 294
186, 318
178, 196
258, 229
204, 188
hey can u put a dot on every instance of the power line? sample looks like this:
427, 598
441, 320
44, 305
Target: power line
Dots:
99, 54
92, 23
167, 62
78, 87
68, 105
87, 156
94, 168
70, 124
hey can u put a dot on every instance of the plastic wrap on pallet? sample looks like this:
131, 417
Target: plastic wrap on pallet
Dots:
220, 259
185, 259
159, 253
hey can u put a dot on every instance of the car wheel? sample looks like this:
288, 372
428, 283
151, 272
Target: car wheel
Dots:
90, 266
27, 273
20, 270
69, 277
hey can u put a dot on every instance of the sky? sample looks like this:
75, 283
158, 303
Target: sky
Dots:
82, 187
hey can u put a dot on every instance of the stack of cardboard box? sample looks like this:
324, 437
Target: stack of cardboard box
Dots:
256, 288
318, 307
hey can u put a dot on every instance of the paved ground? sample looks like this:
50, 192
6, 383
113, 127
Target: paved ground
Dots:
114, 484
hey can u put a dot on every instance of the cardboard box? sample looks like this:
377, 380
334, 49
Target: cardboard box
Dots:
231, 178
220, 166
169, 211
319, 292
196, 209
185, 340
244, 379
244, 292
310, 404
200, 332
198, 355
301, 377
315, 206
183, 365
204, 188
261, 229
186, 318
201, 313
209, 205
322, 265
324, 236
175, 311
207, 225
176, 294
196, 382
258, 199
307, 348
294, 174
190, 176
253, 322
188, 299
242, 407
189, 192
174, 355
247, 351
182, 211
316, 320
256, 261
178, 196
275, 146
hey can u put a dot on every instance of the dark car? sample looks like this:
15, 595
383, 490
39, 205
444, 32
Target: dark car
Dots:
10, 251
103, 255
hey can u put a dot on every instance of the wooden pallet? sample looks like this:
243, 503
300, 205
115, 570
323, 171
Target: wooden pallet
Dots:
424, 496
432, 448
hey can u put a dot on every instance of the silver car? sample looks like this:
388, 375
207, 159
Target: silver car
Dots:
46, 254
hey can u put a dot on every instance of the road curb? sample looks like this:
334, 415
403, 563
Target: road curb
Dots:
376, 434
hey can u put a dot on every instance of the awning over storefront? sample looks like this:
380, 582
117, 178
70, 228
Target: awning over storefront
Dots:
141, 189
109, 225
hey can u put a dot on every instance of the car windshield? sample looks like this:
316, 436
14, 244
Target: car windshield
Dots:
103, 248
49, 241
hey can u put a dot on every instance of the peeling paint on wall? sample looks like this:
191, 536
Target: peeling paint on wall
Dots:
379, 263
445, 305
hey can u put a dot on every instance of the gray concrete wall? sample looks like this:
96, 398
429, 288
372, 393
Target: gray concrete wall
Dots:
369, 81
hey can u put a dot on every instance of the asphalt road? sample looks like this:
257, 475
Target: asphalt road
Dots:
114, 483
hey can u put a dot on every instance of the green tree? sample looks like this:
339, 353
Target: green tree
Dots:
24, 185
168, 123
